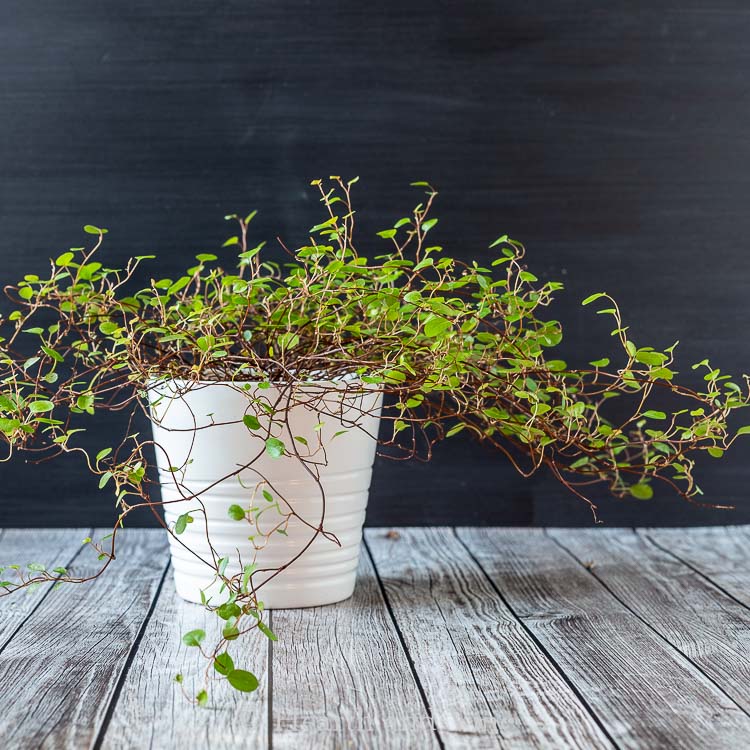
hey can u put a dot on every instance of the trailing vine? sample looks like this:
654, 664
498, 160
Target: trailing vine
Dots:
453, 346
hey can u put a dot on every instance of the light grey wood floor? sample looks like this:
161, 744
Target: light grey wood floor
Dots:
455, 638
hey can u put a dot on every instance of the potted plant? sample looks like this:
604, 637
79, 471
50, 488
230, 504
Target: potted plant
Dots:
270, 385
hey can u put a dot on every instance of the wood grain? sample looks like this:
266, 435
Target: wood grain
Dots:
711, 629
152, 712
342, 679
482, 638
721, 554
487, 682
641, 689
50, 547
60, 671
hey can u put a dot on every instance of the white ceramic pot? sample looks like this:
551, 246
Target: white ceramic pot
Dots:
191, 430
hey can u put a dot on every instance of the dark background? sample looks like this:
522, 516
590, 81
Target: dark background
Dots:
614, 141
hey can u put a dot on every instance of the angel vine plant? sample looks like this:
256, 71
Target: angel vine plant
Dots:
455, 346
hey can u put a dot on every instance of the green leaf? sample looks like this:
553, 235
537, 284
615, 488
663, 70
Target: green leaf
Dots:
182, 522
429, 224
288, 340
223, 663
387, 234
202, 698
324, 225
228, 610
664, 373
557, 365
650, 358
435, 325
247, 571
267, 631
275, 447
744, 430
6, 403
104, 479
108, 327
580, 463
715, 452
235, 512
222, 567
64, 259
91, 229
652, 414
593, 297
26, 292
37, 567
9, 425
600, 362
242, 680
642, 491
251, 422
40, 407
103, 453
194, 637
85, 401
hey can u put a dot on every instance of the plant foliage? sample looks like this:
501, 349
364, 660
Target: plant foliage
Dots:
455, 346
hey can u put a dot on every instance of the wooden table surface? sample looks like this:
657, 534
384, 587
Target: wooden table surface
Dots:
455, 638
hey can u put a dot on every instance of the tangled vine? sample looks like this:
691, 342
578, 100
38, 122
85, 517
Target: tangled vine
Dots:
453, 346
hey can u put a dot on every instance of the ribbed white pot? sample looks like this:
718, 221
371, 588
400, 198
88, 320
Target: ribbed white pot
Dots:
199, 432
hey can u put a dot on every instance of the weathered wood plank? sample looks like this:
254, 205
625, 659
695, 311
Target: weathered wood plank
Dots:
152, 712
51, 547
488, 684
60, 670
341, 678
721, 553
711, 629
644, 692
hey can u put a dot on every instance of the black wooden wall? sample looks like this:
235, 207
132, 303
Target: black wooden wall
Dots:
613, 138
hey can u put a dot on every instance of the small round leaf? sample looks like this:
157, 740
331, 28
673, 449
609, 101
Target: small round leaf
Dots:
223, 664
243, 680
194, 637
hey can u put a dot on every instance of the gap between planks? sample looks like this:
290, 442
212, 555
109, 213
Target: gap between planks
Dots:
690, 613
487, 681
492, 608
624, 670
